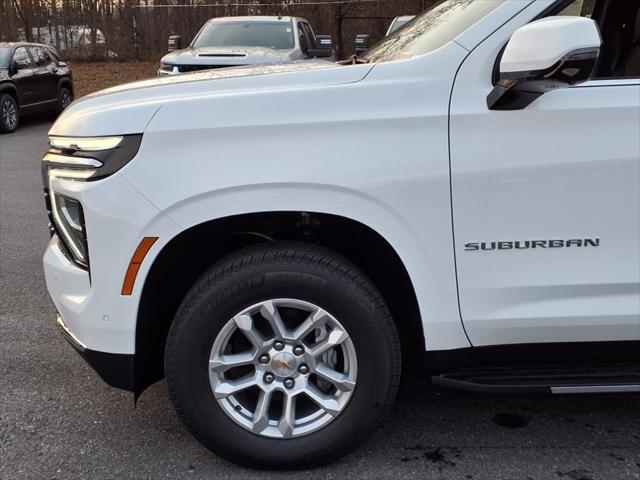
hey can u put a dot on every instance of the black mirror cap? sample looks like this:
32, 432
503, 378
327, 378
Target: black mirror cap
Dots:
517, 90
174, 43
323, 48
363, 42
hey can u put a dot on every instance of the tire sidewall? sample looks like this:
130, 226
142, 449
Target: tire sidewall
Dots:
197, 325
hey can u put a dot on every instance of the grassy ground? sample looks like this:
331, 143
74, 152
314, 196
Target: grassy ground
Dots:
91, 77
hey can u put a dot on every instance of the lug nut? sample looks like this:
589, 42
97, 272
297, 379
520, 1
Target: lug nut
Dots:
278, 345
269, 377
303, 369
298, 350
289, 382
264, 359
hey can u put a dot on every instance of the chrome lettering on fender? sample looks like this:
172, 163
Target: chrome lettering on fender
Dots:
530, 244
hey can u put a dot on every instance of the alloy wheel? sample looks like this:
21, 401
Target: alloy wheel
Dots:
65, 99
283, 368
9, 114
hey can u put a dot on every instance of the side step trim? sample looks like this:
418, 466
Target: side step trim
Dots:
547, 379
596, 389
487, 388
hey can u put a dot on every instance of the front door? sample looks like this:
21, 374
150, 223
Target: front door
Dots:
546, 208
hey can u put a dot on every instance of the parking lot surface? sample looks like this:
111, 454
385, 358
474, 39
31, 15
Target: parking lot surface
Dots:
58, 420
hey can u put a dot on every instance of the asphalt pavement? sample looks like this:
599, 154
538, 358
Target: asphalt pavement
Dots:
58, 420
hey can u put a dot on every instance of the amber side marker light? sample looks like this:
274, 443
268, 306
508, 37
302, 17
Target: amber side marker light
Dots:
134, 265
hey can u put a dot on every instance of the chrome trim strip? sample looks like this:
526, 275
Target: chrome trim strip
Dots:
64, 327
72, 161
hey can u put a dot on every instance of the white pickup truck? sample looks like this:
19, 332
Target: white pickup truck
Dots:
277, 241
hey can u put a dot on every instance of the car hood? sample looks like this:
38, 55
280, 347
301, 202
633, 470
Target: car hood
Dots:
226, 56
128, 109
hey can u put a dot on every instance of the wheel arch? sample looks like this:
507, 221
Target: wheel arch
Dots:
65, 82
11, 90
190, 253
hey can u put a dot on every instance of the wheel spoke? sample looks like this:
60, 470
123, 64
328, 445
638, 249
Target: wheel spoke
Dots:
271, 313
338, 379
328, 403
225, 362
246, 326
261, 414
288, 419
313, 321
225, 387
335, 338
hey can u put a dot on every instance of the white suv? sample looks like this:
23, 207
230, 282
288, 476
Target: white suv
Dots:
239, 41
273, 240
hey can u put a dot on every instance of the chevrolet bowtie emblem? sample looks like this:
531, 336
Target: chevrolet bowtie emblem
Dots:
282, 364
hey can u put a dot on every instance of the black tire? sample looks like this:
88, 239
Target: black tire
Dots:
8, 122
282, 270
65, 97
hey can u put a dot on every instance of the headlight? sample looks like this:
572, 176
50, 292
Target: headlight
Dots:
90, 144
80, 159
99, 156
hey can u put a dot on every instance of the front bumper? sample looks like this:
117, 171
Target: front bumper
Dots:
116, 369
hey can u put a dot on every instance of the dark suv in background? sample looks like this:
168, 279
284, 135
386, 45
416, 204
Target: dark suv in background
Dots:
33, 79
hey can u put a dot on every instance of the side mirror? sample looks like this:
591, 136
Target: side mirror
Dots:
323, 48
174, 43
543, 56
15, 66
362, 43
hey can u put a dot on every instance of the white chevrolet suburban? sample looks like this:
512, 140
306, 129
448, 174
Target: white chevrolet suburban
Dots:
274, 240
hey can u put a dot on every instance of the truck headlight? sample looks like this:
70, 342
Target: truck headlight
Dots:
81, 159
96, 157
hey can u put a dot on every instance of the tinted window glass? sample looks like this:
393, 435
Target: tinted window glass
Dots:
40, 57
310, 35
21, 56
5, 56
276, 35
304, 39
580, 8
433, 29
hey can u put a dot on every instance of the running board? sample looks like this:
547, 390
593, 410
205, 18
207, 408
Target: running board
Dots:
554, 379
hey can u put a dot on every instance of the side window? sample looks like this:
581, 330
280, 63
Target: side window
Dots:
21, 56
39, 57
580, 8
304, 40
619, 24
45, 57
310, 35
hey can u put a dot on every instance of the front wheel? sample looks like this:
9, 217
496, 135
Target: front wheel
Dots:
282, 356
8, 114
65, 97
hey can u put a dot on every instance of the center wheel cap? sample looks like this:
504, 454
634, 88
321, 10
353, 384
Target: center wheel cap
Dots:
284, 364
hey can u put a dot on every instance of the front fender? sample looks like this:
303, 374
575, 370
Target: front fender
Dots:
436, 294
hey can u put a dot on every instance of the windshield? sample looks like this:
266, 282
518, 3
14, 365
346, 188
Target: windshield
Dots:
5, 53
432, 29
276, 35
